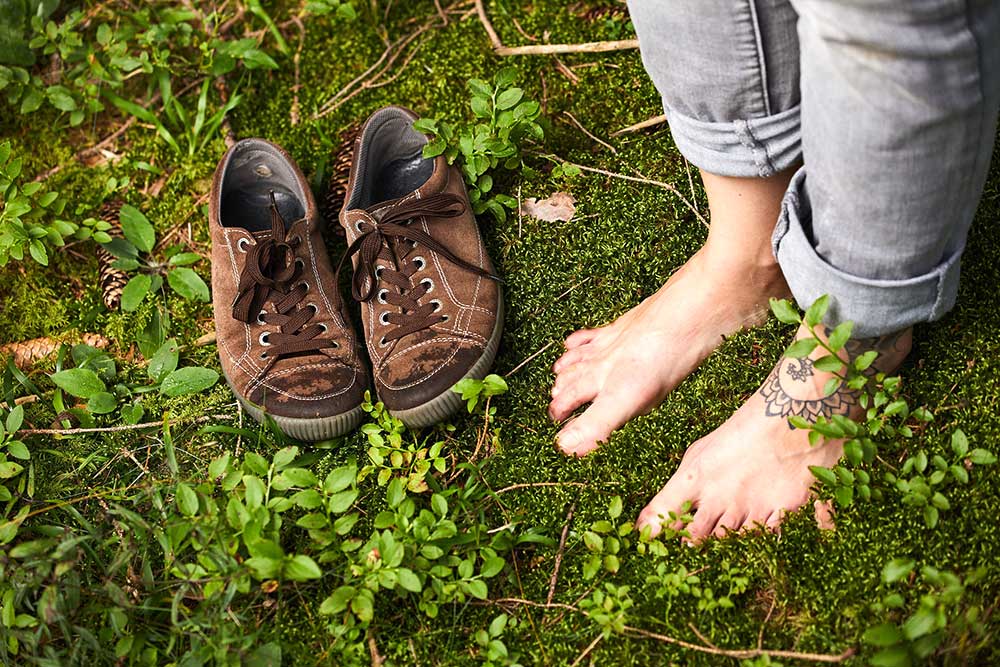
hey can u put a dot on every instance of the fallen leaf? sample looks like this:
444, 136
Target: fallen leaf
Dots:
560, 206
823, 510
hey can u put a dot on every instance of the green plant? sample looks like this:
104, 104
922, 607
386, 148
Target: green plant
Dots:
29, 219
506, 120
607, 608
149, 273
729, 582
195, 128
342, 8
940, 611
887, 417
493, 652
11, 447
390, 456
95, 370
605, 540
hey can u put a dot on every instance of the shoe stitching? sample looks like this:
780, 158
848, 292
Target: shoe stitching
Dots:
431, 373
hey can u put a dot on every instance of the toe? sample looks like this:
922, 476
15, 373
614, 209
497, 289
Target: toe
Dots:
570, 393
581, 337
705, 520
571, 357
773, 522
756, 520
670, 499
730, 522
608, 411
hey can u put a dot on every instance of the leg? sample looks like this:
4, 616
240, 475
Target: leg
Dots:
736, 117
899, 105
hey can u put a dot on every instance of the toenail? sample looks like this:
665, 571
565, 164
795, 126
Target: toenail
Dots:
568, 440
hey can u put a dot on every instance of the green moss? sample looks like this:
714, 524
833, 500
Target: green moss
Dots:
625, 241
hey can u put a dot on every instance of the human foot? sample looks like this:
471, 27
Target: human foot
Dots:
754, 468
626, 368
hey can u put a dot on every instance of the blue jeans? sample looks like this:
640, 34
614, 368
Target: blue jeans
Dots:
889, 105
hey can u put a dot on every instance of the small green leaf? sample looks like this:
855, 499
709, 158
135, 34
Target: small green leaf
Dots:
840, 335
408, 580
896, 569
816, 312
187, 500
164, 361
188, 380
959, 442
188, 284
137, 228
982, 457
801, 348
135, 291
301, 568
80, 382
509, 98
102, 403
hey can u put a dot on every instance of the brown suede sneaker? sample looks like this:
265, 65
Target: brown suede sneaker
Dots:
285, 342
431, 304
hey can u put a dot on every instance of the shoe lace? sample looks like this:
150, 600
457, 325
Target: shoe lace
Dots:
392, 238
272, 272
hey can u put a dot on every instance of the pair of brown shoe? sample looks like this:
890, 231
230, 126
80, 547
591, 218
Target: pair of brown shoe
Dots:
431, 307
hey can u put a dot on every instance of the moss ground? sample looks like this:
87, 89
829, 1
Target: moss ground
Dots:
626, 239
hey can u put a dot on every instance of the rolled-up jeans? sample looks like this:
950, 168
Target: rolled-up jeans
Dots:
890, 106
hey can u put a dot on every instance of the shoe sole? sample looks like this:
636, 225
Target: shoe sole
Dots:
311, 429
448, 402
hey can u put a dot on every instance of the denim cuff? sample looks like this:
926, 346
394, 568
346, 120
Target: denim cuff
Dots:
757, 147
877, 307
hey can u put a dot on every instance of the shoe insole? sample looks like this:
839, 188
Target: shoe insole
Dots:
401, 177
250, 207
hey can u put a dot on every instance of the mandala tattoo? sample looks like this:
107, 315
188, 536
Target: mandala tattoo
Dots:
802, 371
781, 400
778, 402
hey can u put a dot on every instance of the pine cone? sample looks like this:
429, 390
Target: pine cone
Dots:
340, 174
112, 280
27, 352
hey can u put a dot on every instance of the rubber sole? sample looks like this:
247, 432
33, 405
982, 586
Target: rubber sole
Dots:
448, 402
307, 430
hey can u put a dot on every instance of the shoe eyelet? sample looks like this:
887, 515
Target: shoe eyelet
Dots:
263, 355
445, 318
429, 283
378, 272
323, 329
305, 284
384, 318
313, 307
300, 263
381, 295
263, 338
295, 240
260, 317
436, 304
357, 226
382, 342
419, 262
336, 345
242, 244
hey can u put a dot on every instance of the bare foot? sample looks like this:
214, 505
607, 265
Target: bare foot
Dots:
626, 368
754, 468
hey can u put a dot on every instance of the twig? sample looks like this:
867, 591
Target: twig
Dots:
293, 113
115, 429
531, 485
490, 32
590, 134
760, 635
377, 659
530, 358
559, 554
551, 49
22, 400
656, 120
742, 654
636, 179
694, 196
586, 651
206, 339
704, 640
547, 49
